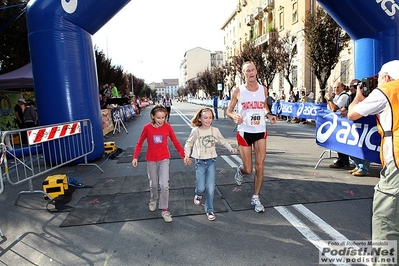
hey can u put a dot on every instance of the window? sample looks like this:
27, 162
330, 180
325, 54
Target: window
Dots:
281, 19
294, 12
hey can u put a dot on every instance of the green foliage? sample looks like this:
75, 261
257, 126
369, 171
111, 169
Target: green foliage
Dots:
107, 73
14, 52
325, 41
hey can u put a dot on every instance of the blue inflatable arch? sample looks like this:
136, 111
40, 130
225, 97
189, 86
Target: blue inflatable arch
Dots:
374, 27
63, 61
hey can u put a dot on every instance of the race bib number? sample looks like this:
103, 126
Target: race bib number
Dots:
255, 119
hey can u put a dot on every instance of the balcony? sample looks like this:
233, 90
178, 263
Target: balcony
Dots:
268, 5
266, 38
249, 20
258, 13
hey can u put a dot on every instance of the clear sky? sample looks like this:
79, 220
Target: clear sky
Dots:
149, 38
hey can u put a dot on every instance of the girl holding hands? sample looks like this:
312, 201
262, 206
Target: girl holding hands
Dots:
201, 145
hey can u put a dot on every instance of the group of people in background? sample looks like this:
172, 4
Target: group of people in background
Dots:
25, 116
339, 102
111, 92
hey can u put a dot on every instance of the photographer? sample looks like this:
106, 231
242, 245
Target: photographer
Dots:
383, 102
335, 104
361, 165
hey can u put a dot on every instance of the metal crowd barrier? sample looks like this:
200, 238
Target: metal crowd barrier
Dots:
32, 152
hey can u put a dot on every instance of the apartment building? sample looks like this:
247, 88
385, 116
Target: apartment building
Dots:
196, 60
259, 20
171, 86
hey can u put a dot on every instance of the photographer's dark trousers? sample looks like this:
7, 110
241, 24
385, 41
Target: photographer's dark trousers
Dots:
342, 160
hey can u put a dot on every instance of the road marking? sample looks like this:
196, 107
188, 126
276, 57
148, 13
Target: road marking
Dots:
227, 159
320, 222
237, 158
183, 116
304, 230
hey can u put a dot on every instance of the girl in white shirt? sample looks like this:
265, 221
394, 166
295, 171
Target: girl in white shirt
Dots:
201, 145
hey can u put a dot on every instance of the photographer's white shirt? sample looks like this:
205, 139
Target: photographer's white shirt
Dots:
377, 103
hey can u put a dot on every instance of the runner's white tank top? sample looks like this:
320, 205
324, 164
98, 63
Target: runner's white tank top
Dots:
251, 106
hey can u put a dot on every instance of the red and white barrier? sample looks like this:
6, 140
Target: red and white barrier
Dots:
40, 135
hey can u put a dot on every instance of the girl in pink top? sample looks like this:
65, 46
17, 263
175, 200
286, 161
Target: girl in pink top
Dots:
156, 133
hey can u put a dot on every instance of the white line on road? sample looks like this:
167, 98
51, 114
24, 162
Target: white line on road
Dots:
304, 230
320, 223
227, 159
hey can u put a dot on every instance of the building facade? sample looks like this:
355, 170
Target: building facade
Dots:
260, 20
196, 60
171, 86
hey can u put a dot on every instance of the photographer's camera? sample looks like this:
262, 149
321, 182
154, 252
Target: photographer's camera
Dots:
368, 85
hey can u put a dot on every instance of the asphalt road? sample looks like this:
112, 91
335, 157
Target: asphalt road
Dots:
283, 235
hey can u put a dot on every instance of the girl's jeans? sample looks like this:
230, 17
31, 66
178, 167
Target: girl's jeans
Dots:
158, 173
205, 175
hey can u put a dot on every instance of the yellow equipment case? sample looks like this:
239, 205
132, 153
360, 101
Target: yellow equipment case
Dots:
55, 185
109, 147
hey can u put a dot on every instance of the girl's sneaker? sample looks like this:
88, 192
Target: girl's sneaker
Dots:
152, 205
197, 200
211, 216
167, 217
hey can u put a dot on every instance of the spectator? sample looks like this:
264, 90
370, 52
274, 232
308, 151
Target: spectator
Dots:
114, 91
270, 100
30, 115
282, 98
304, 98
103, 101
311, 97
215, 105
226, 100
138, 103
335, 104
292, 99
19, 113
361, 165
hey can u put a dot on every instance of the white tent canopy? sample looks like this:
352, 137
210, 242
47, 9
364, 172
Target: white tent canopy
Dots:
17, 79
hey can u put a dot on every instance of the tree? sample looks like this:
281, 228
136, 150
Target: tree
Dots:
104, 66
230, 76
14, 51
270, 55
193, 86
206, 81
325, 40
265, 57
287, 52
